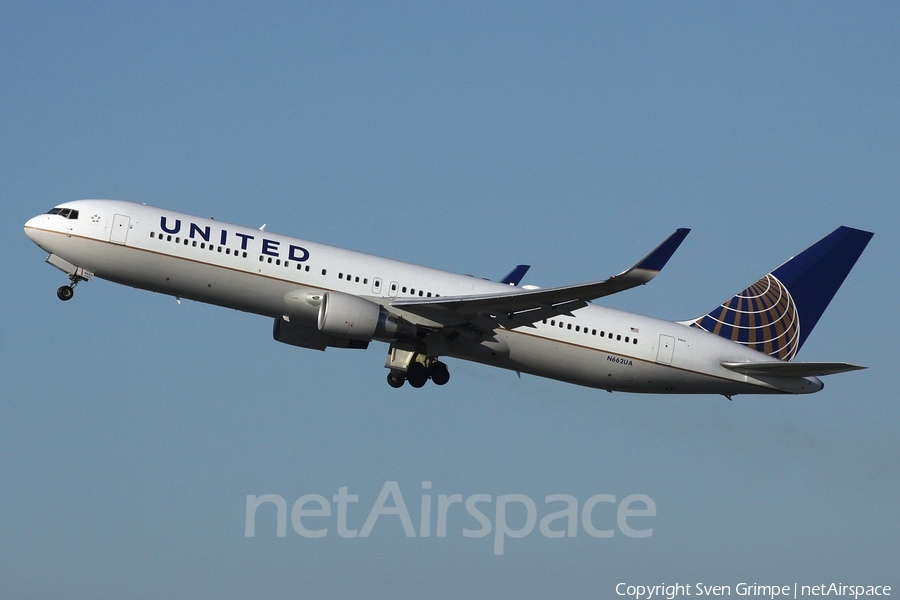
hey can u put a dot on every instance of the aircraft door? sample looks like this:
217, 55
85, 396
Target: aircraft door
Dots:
119, 232
666, 349
376, 285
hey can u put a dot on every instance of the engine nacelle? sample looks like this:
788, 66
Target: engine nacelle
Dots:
302, 305
347, 316
305, 336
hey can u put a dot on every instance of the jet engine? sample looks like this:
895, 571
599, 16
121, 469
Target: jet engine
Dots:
305, 336
351, 317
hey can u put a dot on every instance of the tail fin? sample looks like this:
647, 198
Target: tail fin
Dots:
776, 314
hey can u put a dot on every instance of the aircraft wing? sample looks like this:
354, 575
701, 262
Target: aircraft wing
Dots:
790, 369
519, 307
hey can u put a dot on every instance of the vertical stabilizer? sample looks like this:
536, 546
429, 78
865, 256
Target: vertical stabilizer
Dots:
776, 314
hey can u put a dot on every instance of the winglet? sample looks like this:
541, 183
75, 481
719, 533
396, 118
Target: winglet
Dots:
658, 258
649, 267
516, 275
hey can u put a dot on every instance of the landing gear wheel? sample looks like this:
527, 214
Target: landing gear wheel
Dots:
65, 293
439, 373
395, 380
417, 375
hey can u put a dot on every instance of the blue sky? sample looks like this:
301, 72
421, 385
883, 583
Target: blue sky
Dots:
468, 137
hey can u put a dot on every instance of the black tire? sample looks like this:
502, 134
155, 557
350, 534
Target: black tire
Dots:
395, 380
417, 375
439, 372
65, 293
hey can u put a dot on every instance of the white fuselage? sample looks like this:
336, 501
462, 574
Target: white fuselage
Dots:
269, 274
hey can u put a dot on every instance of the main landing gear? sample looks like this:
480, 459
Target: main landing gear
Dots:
409, 361
417, 374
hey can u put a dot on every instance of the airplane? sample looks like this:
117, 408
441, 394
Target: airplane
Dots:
322, 296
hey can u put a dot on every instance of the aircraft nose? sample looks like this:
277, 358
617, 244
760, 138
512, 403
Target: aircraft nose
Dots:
33, 228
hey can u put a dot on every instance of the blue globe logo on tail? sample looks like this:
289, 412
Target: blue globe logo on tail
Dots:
766, 315
763, 317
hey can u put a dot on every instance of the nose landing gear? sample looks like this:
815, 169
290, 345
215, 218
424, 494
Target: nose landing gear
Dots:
66, 292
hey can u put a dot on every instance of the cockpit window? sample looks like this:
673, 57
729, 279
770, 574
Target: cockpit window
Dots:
65, 213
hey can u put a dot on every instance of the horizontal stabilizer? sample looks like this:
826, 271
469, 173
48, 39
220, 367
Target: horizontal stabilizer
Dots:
790, 369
